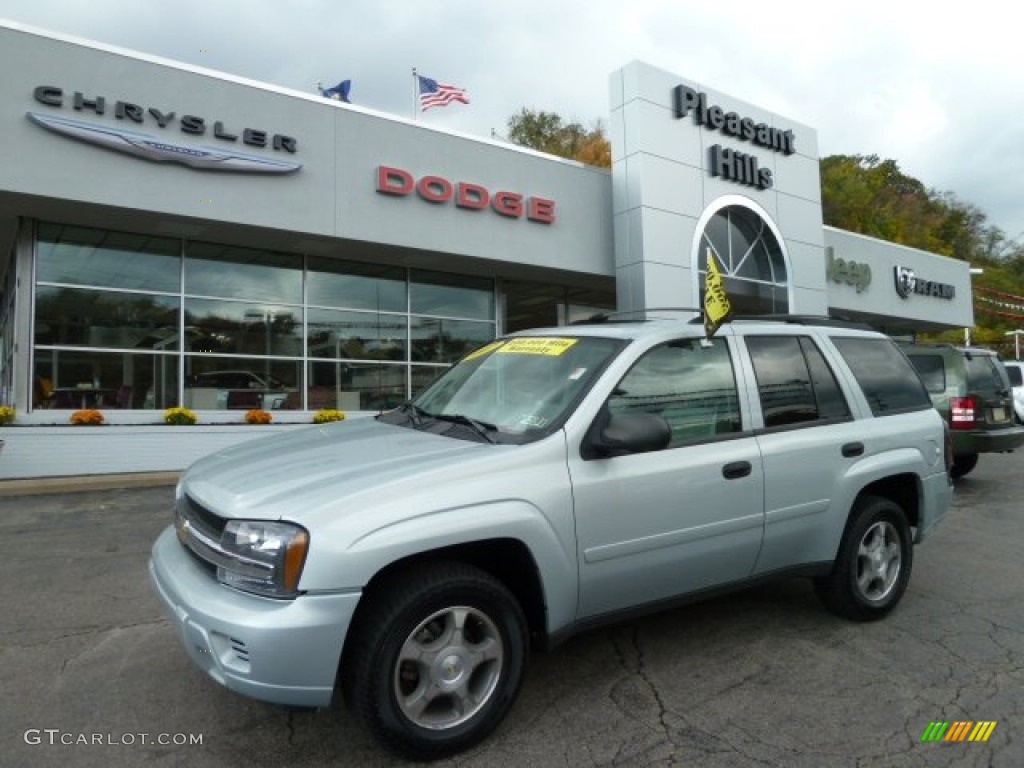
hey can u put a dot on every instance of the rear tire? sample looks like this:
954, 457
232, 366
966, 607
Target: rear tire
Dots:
437, 659
963, 464
873, 566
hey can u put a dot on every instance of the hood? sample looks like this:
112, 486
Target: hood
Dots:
294, 475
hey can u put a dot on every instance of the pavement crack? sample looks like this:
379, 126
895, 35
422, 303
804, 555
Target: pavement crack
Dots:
290, 724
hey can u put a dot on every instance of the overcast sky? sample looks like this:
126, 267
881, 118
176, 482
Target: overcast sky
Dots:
938, 87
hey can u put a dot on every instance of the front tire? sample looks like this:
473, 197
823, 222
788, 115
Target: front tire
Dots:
437, 659
873, 567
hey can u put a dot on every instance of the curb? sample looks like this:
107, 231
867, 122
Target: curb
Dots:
41, 485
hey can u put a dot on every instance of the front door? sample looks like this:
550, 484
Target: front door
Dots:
651, 526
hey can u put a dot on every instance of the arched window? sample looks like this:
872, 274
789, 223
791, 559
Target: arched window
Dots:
750, 257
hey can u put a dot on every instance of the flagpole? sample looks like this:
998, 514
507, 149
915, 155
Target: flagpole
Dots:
415, 90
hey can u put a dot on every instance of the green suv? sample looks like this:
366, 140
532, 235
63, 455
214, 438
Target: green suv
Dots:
970, 388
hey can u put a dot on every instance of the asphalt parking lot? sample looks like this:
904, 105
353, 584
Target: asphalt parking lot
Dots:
93, 675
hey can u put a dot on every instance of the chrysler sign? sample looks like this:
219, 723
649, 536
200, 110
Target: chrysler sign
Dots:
150, 146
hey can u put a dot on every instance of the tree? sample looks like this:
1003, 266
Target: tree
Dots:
861, 193
874, 197
547, 132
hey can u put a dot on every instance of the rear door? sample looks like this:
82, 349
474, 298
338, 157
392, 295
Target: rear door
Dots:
808, 438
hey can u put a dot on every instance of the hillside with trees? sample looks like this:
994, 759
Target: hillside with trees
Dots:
870, 196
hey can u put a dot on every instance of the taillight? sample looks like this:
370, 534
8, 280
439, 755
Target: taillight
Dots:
962, 412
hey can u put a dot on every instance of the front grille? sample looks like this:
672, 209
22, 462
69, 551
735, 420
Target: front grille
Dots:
200, 531
203, 521
209, 523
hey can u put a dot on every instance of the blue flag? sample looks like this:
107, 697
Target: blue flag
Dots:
338, 92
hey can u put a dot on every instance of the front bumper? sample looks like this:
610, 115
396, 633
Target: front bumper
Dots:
282, 651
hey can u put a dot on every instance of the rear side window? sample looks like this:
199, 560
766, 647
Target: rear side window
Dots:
983, 375
1015, 376
887, 378
932, 371
794, 381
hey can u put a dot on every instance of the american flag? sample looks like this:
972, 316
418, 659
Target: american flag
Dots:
435, 94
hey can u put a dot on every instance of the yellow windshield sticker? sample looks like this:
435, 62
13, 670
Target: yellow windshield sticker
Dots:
484, 350
537, 346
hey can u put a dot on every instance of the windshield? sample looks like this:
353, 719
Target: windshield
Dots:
518, 387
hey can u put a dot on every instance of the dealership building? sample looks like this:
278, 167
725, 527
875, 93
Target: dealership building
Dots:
173, 235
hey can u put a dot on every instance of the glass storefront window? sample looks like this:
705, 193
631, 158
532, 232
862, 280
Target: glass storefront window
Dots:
532, 305
446, 341
351, 386
445, 295
333, 283
83, 256
119, 316
93, 318
234, 327
7, 332
750, 259
242, 273
584, 304
238, 383
87, 379
356, 335
539, 305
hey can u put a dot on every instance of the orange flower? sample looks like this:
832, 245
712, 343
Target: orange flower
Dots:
258, 416
88, 417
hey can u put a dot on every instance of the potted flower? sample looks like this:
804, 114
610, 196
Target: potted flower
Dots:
89, 417
325, 415
258, 416
6, 417
180, 415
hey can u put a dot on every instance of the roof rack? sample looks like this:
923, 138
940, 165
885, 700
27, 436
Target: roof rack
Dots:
643, 315
832, 322
631, 316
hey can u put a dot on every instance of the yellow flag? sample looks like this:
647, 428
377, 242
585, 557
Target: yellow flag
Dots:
716, 303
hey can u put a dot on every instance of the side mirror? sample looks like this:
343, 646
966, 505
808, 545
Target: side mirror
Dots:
632, 432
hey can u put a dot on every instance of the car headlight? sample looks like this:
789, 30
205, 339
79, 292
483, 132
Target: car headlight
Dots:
265, 558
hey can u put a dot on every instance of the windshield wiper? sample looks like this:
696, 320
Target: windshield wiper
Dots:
411, 411
416, 414
482, 428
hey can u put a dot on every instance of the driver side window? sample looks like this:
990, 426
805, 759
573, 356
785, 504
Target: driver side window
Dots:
689, 383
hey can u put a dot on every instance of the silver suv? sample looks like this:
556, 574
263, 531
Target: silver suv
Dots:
551, 481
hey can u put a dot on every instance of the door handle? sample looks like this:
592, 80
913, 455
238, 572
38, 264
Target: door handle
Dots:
736, 469
853, 449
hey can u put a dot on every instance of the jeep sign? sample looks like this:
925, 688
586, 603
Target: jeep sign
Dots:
847, 271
